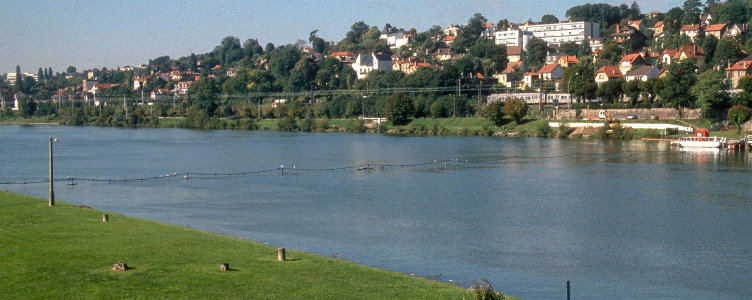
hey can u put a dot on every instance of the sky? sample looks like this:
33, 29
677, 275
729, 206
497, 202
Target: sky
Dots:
95, 34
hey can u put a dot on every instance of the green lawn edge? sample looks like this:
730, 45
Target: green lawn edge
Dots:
67, 252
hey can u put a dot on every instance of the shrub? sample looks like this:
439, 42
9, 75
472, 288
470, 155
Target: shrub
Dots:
482, 290
564, 130
544, 130
322, 124
288, 123
652, 134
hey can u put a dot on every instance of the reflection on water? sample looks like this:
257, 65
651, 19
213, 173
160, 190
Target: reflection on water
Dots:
619, 219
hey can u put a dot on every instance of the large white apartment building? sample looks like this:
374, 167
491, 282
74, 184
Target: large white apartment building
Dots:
11, 77
563, 32
513, 37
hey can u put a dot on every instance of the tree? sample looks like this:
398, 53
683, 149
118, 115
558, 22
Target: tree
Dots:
204, 96
611, 90
27, 107
632, 90
674, 89
710, 92
494, 112
399, 108
356, 31
40, 75
727, 51
730, 13
739, 114
269, 49
19, 81
549, 19
580, 81
70, 70
515, 108
535, 53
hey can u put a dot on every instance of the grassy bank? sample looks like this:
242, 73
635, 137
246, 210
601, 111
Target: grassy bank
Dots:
67, 252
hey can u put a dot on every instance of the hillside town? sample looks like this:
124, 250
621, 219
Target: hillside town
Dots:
694, 56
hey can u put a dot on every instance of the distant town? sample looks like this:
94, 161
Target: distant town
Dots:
694, 56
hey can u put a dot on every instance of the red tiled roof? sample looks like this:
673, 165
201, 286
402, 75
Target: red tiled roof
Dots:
691, 51
514, 50
450, 38
510, 66
658, 24
715, 27
629, 57
692, 27
610, 71
741, 66
548, 68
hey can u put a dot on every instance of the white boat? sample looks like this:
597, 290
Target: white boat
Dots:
700, 142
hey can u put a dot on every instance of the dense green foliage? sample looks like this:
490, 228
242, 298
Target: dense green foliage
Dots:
515, 109
399, 109
739, 114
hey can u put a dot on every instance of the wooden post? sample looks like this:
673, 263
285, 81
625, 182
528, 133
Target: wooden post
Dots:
224, 266
52, 191
281, 254
105, 218
568, 298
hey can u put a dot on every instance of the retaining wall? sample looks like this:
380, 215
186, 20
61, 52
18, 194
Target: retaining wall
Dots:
621, 114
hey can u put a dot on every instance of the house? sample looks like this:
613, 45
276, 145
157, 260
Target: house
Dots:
643, 73
365, 63
716, 30
528, 78
640, 25
181, 88
597, 54
514, 53
489, 32
231, 72
449, 39
737, 71
160, 94
452, 30
596, 43
706, 19
444, 54
509, 75
629, 61
409, 65
667, 56
553, 57
607, 73
689, 51
262, 64
87, 85
347, 58
657, 28
551, 72
628, 33
690, 30
16, 97
735, 31
567, 61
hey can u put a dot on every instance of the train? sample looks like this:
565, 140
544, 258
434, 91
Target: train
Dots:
534, 98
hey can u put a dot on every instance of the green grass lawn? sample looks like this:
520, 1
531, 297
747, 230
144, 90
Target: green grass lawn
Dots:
67, 252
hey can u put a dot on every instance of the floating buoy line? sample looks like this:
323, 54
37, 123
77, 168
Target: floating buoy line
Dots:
356, 168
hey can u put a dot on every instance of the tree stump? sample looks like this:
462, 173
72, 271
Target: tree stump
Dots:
224, 266
105, 218
281, 254
120, 266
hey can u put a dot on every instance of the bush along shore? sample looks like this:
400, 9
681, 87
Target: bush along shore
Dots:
467, 126
74, 252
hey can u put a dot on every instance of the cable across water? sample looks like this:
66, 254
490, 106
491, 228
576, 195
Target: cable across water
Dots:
356, 168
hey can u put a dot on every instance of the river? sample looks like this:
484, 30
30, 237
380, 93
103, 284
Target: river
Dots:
618, 220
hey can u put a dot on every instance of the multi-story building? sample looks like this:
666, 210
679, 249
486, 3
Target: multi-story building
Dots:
11, 77
563, 32
513, 37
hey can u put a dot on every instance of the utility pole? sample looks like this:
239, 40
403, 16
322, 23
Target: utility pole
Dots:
52, 191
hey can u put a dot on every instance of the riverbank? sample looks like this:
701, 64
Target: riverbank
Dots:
67, 251
470, 126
